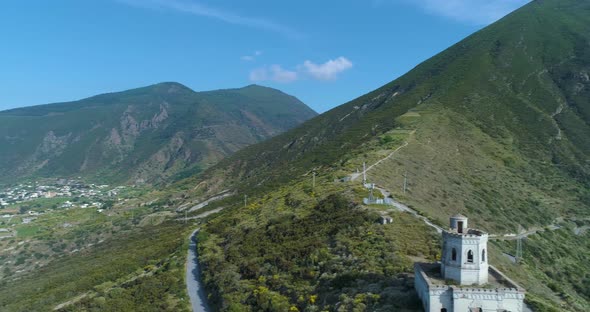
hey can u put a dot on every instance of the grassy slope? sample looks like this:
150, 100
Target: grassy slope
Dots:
138, 269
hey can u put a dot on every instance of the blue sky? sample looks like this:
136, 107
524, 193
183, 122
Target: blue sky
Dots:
324, 52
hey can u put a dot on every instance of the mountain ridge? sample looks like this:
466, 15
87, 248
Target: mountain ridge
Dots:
113, 134
171, 85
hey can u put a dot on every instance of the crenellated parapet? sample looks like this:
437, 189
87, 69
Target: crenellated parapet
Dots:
487, 294
472, 234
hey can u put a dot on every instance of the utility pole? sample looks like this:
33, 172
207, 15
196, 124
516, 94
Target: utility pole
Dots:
364, 173
519, 244
245, 201
405, 181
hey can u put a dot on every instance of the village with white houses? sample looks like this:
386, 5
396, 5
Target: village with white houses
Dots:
47, 217
63, 188
30, 200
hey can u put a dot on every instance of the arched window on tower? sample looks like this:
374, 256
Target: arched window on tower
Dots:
470, 256
483, 255
454, 254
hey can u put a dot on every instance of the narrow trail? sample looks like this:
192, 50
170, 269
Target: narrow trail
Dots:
555, 123
71, 301
93, 293
205, 203
194, 285
202, 215
403, 208
354, 176
529, 232
581, 230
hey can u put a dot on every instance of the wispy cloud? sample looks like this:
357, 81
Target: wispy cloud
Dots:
196, 8
252, 57
273, 73
328, 70
325, 71
479, 12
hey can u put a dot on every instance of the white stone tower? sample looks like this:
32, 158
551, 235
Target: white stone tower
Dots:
464, 256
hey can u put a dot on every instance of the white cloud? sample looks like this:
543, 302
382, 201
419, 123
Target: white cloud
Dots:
328, 70
273, 73
195, 8
259, 74
281, 75
479, 12
250, 58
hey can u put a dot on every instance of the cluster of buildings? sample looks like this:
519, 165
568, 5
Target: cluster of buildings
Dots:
58, 188
73, 194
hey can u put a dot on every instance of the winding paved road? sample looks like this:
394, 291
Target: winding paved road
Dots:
195, 289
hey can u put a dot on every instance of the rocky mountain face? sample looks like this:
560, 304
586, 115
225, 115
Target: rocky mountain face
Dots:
146, 134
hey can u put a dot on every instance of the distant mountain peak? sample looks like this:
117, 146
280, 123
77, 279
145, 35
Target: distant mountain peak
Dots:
260, 87
255, 86
170, 87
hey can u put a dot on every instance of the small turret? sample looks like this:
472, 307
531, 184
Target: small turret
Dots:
459, 223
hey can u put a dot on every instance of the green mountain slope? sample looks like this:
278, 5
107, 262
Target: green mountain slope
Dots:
496, 127
146, 134
523, 79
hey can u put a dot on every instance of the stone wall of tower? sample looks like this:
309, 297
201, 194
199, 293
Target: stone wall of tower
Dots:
460, 269
434, 298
